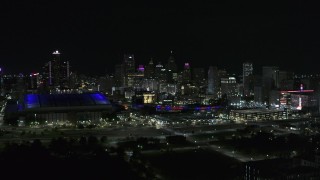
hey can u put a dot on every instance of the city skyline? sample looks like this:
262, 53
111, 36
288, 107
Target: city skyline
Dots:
235, 70
159, 90
94, 36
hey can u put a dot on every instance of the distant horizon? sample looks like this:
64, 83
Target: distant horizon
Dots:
237, 70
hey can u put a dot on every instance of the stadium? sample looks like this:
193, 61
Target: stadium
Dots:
59, 107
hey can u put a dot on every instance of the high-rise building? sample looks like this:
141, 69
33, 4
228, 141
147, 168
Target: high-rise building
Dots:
129, 69
57, 73
213, 80
74, 83
149, 69
271, 74
198, 76
286, 81
150, 84
129, 63
270, 79
258, 90
55, 68
199, 79
247, 79
171, 69
119, 75
229, 87
104, 84
65, 75
160, 73
186, 73
33, 81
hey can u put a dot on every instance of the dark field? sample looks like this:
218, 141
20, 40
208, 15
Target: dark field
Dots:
194, 164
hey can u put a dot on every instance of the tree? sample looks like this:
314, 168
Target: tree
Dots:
83, 141
103, 139
92, 140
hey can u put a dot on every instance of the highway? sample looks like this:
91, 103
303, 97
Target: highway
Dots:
122, 133
186, 131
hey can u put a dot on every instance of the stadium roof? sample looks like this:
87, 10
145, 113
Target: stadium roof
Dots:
85, 101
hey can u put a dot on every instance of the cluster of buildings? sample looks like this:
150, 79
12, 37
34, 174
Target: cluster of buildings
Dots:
165, 83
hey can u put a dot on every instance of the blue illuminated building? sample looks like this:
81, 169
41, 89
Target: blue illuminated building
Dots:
63, 107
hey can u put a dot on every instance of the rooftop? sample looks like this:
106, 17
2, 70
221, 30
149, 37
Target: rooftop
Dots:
32, 101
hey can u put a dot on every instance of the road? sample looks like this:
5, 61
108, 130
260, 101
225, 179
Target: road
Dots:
185, 131
116, 134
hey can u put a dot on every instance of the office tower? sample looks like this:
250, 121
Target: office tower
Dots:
160, 73
270, 79
229, 86
270, 75
74, 82
55, 69
129, 69
198, 76
119, 75
171, 68
258, 90
186, 78
56, 72
149, 69
213, 80
129, 63
65, 75
104, 84
33, 81
286, 81
46, 75
247, 79
199, 79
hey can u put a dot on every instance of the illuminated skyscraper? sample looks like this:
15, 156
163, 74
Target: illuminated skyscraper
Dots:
129, 63
229, 86
186, 73
160, 73
33, 81
171, 68
128, 68
56, 73
247, 79
64, 75
55, 69
149, 70
213, 80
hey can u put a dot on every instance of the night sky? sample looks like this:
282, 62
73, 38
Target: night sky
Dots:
93, 36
